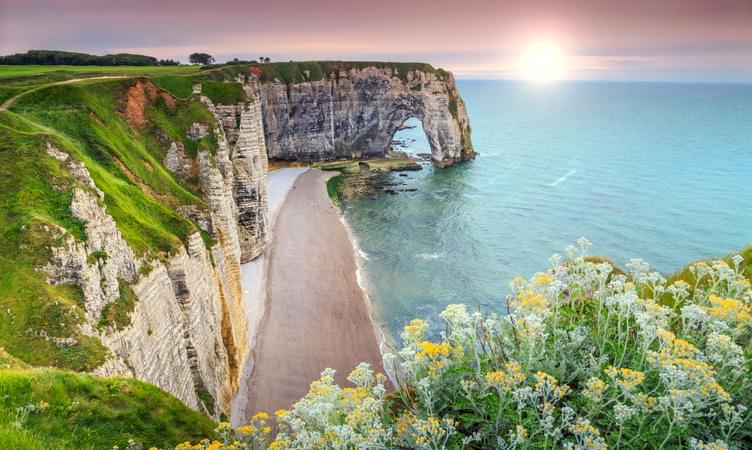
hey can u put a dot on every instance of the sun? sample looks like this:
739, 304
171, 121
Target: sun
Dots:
542, 61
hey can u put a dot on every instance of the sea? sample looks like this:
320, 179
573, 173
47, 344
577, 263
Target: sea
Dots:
658, 171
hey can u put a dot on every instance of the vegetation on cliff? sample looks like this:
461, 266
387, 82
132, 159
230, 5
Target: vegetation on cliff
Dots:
50, 409
121, 130
588, 358
301, 71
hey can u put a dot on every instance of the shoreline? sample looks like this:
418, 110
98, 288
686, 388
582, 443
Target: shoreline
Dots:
385, 340
308, 308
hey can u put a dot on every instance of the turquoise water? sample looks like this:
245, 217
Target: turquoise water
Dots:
652, 170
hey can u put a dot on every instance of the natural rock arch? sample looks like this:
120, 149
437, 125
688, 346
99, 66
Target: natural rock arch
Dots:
355, 113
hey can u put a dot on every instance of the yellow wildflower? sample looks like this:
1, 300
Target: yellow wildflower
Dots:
729, 309
216, 445
261, 417
280, 444
645, 402
530, 302
594, 388
415, 330
506, 379
543, 279
429, 350
544, 381
247, 430
630, 378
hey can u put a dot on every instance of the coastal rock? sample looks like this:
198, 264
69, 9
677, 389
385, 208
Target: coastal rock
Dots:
244, 166
176, 160
355, 114
197, 131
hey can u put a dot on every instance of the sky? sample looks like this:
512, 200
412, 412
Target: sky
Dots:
681, 40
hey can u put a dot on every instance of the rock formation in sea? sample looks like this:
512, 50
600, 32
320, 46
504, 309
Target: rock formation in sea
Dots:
355, 112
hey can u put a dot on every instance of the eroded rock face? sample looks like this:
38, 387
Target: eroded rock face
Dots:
188, 331
355, 114
243, 157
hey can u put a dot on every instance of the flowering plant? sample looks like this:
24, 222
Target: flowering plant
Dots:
587, 357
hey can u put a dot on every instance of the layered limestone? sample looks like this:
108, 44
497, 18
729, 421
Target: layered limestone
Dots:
245, 166
355, 113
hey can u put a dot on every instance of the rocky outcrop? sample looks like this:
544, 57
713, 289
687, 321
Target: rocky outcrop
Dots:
244, 155
355, 113
98, 265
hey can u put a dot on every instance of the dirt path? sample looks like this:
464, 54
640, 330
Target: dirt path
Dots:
8, 103
316, 314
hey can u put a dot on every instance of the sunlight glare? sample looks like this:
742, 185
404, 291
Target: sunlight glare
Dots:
542, 61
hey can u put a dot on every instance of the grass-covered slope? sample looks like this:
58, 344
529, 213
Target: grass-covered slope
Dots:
121, 130
49, 409
35, 196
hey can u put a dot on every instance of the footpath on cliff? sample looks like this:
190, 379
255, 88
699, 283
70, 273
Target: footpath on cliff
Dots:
316, 315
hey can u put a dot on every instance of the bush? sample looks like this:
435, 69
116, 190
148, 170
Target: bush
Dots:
587, 358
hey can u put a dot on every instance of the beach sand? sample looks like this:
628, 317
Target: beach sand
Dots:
316, 315
253, 276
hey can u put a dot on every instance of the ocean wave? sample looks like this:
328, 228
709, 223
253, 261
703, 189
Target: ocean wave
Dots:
560, 179
363, 254
429, 256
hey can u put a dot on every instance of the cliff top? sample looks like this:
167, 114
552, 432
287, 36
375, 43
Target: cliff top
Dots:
301, 71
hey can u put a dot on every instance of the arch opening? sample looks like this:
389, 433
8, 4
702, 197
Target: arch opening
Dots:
411, 140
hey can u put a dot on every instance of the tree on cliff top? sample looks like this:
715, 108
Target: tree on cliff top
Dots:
201, 58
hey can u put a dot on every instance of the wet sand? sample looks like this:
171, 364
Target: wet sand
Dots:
316, 315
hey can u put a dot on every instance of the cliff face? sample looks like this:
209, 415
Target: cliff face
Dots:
186, 330
245, 167
355, 113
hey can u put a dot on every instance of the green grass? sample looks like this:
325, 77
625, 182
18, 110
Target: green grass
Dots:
78, 411
224, 93
121, 160
117, 314
8, 362
295, 71
35, 198
219, 92
206, 398
26, 70
17, 79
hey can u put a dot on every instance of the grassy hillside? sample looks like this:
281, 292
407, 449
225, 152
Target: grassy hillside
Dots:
93, 121
50, 409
